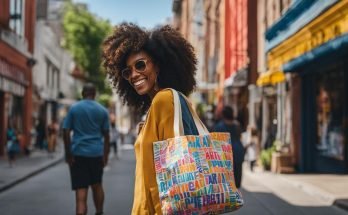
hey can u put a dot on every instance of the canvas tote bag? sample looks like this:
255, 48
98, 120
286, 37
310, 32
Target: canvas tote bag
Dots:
194, 173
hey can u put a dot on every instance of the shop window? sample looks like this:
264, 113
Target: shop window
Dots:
15, 112
16, 22
52, 75
330, 112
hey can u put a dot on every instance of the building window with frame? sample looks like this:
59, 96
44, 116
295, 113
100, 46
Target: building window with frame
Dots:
16, 23
48, 69
55, 78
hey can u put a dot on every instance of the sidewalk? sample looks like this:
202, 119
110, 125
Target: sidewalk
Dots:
27, 166
323, 189
331, 188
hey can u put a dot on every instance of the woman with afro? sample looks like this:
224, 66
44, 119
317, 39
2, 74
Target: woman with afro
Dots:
141, 65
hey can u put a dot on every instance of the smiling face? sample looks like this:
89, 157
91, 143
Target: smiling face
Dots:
142, 73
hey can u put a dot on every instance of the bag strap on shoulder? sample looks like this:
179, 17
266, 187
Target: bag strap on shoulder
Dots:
178, 124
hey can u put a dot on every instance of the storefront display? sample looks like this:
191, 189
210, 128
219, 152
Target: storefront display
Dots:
330, 114
15, 112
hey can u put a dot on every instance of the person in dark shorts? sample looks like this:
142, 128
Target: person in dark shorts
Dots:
87, 153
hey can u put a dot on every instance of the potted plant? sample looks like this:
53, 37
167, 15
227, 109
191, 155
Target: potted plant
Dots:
266, 157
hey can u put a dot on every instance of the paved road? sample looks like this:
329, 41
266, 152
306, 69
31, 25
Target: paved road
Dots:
49, 193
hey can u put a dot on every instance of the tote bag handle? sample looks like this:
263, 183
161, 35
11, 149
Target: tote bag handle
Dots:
178, 124
202, 130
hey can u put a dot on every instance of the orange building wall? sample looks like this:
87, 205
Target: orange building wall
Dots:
236, 36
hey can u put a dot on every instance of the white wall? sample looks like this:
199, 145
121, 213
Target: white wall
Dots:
47, 48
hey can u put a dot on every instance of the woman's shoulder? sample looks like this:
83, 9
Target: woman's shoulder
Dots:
161, 111
163, 98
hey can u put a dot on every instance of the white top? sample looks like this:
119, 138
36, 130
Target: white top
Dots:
252, 148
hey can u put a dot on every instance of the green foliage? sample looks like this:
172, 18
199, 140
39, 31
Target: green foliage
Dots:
83, 36
104, 99
278, 145
266, 157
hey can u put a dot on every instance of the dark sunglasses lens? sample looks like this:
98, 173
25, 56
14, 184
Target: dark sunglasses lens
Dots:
126, 73
140, 66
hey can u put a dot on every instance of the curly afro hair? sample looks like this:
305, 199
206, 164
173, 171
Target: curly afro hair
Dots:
173, 55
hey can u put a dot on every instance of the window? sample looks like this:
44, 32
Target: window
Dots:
52, 75
55, 78
41, 9
330, 120
48, 71
17, 16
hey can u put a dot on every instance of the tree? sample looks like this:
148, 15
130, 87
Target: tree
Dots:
83, 36
104, 99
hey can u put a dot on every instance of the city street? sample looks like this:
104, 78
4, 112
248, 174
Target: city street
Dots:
271, 73
49, 193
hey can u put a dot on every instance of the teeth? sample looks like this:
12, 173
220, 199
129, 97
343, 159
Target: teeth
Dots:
139, 82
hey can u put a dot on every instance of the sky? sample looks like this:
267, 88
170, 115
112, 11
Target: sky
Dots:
146, 13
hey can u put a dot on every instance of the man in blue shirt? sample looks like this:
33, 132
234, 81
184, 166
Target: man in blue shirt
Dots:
87, 153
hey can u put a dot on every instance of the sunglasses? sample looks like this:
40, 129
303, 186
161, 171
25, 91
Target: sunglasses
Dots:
139, 66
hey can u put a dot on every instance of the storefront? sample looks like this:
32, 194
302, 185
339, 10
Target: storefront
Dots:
309, 45
17, 26
324, 87
271, 84
331, 112
12, 92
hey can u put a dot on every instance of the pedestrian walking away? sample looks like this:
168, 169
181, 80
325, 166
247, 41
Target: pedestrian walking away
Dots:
114, 134
251, 146
229, 124
52, 131
13, 147
41, 134
142, 64
87, 153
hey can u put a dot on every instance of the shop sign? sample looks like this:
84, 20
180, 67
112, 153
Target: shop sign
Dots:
11, 87
12, 72
323, 29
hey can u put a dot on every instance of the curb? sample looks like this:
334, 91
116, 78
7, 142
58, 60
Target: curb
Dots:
31, 174
323, 195
341, 203
311, 190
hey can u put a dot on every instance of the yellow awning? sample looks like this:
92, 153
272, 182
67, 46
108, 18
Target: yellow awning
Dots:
270, 78
277, 77
264, 79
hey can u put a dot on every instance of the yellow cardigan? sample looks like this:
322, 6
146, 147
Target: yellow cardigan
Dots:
158, 126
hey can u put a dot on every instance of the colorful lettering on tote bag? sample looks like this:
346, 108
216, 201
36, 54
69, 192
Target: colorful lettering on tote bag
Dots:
195, 175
